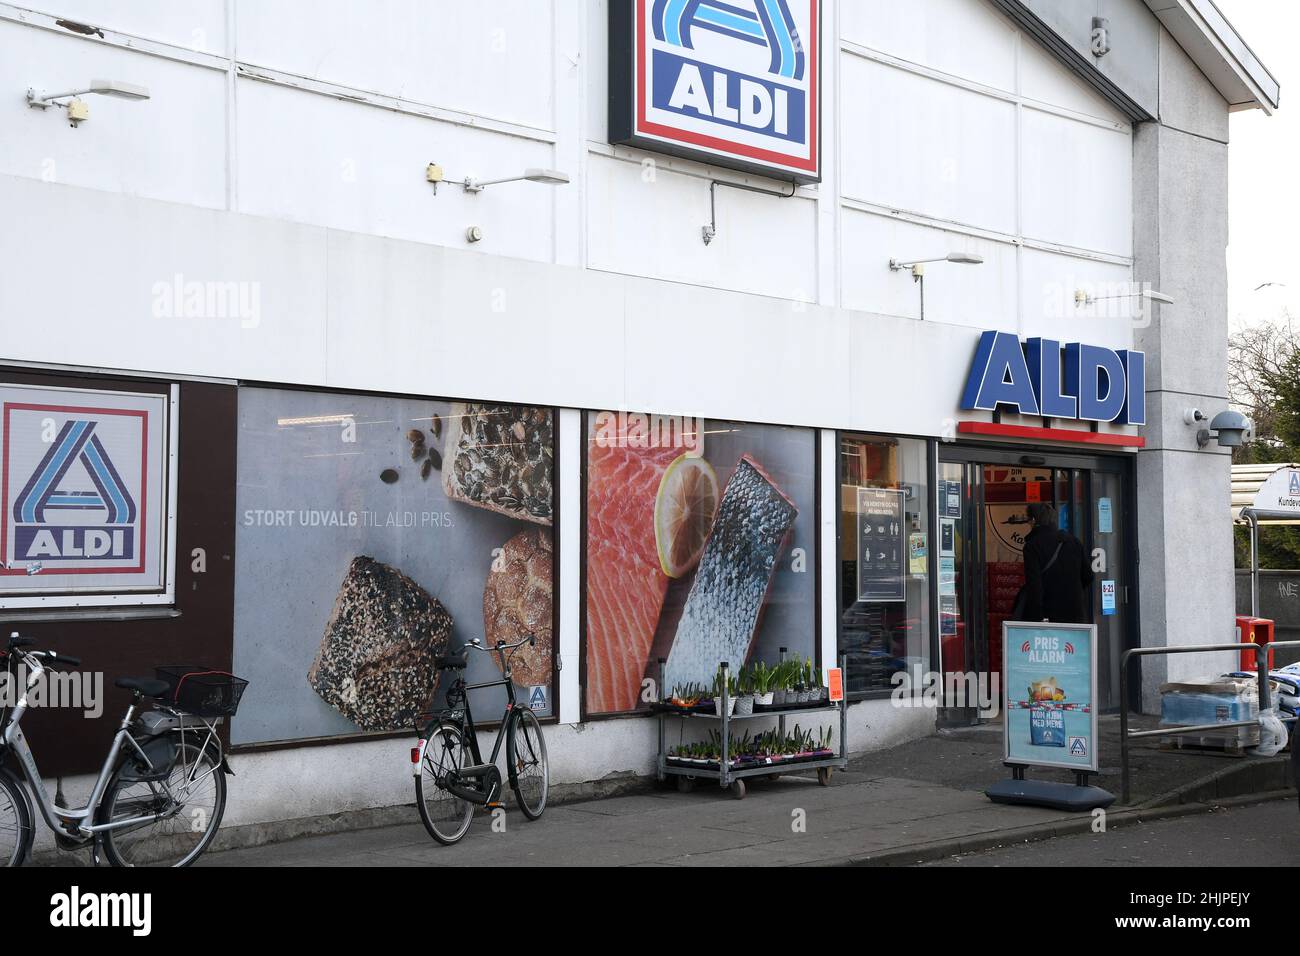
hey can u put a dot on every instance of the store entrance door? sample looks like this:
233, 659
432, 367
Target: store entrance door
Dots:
983, 496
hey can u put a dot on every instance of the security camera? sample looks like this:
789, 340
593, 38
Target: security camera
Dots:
1229, 428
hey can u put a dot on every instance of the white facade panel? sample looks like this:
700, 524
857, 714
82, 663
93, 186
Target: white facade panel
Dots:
628, 201
193, 24
927, 146
130, 317
172, 146
983, 295
1078, 188
969, 40
311, 158
429, 321
492, 58
1048, 282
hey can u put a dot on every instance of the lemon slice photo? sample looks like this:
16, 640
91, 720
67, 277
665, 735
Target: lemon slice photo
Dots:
684, 510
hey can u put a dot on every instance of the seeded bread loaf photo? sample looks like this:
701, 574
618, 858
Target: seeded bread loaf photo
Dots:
500, 457
375, 665
517, 602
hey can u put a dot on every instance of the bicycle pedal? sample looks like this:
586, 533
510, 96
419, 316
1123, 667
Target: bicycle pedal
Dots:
495, 805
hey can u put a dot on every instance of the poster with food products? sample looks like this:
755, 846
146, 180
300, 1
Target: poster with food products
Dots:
1049, 694
699, 548
375, 534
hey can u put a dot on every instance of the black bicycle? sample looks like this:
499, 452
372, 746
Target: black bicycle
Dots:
451, 777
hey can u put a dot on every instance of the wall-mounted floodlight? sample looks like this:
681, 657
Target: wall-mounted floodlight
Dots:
1229, 428
918, 265
1082, 297
433, 173
918, 268
78, 111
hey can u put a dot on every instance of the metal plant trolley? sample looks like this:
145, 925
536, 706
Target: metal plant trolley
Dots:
733, 778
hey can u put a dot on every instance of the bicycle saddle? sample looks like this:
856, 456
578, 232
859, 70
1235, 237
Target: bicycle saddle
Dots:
145, 686
451, 662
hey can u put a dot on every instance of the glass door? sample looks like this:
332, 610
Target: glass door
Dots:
983, 520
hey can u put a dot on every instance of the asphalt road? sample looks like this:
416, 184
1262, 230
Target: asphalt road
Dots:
1265, 834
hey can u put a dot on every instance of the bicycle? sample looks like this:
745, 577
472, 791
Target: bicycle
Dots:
451, 777
161, 793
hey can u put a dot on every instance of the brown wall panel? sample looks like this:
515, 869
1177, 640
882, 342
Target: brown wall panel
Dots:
201, 630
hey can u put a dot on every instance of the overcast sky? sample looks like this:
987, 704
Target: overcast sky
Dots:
1264, 189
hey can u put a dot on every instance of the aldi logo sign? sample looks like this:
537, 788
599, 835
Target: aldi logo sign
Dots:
83, 477
728, 82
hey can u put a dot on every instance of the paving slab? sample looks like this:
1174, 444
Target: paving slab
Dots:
921, 801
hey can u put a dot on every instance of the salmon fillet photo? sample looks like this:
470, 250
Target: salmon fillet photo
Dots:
626, 583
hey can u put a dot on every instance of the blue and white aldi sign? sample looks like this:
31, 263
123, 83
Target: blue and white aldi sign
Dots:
84, 479
729, 82
1050, 694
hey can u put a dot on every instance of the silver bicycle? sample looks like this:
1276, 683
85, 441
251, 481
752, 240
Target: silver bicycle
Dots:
159, 798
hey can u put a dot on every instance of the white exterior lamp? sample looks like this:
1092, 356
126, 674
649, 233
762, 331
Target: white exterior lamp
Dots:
78, 110
918, 268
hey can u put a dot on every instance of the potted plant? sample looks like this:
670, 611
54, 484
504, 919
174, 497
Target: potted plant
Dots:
822, 691
724, 681
762, 678
745, 693
778, 684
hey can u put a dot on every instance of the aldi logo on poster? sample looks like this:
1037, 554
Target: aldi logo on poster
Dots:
729, 82
82, 475
76, 479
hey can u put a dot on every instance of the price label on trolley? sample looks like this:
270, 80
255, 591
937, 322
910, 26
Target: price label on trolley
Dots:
835, 684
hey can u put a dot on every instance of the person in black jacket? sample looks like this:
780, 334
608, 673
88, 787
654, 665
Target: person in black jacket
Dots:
1057, 571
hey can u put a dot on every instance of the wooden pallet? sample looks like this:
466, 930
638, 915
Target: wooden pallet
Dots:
1229, 743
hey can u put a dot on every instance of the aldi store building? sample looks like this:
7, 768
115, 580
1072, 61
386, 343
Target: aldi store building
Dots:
680, 331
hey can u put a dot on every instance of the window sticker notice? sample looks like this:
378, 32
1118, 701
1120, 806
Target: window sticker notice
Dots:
882, 545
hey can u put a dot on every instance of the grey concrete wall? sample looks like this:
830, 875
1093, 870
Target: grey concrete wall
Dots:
1180, 237
1132, 63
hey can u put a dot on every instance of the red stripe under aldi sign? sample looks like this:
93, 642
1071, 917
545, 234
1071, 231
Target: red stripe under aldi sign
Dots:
999, 430
728, 82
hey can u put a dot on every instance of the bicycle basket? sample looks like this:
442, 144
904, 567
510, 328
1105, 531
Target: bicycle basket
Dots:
202, 691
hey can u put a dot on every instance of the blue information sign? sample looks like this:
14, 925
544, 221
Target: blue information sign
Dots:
1049, 694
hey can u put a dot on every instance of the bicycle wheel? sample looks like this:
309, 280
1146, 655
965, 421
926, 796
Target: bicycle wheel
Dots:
15, 823
526, 751
445, 815
191, 800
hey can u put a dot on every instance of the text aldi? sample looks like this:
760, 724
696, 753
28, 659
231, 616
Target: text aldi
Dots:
732, 83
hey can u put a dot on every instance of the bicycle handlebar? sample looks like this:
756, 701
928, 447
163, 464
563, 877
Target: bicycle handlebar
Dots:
477, 645
54, 658
15, 642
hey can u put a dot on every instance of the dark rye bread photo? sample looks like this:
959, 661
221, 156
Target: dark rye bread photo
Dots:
375, 665
500, 457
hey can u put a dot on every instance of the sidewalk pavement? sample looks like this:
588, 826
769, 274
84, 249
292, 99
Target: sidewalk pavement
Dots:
921, 801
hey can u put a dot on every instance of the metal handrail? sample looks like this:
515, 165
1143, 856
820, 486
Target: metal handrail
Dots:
1262, 657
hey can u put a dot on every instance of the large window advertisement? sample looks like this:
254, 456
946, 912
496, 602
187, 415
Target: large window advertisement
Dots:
700, 548
375, 534
884, 560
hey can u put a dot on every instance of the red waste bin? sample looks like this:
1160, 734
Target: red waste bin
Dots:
1258, 630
